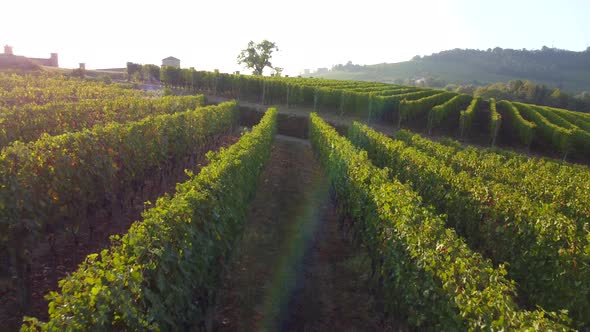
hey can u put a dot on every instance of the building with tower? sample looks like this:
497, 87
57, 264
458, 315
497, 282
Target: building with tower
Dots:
8, 59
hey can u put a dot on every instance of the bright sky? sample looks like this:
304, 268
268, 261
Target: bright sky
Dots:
309, 33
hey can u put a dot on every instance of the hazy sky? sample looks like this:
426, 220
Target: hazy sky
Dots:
310, 34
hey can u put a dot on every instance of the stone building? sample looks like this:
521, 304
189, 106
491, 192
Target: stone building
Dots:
8, 59
171, 61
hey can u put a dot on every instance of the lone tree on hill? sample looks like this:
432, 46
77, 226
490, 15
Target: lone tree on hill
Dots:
257, 56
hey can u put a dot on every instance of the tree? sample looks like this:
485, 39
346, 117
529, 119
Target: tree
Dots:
558, 99
278, 71
171, 76
151, 72
132, 69
257, 56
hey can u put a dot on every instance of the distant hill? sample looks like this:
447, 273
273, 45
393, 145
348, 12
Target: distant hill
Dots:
567, 70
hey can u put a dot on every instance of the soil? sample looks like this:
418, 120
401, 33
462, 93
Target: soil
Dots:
294, 269
69, 256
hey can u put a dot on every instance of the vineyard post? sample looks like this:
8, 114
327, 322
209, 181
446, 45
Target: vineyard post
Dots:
494, 138
215, 87
494, 134
239, 88
288, 90
399, 116
528, 147
240, 84
342, 104
210, 84
461, 124
263, 91
20, 260
315, 100
370, 107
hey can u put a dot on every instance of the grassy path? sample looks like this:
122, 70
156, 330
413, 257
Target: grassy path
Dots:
293, 270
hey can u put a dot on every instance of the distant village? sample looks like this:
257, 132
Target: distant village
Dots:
9, 60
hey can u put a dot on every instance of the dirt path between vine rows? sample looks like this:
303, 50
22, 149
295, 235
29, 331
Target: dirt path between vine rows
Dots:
294, 269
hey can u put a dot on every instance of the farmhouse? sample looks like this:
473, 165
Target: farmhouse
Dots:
171, 61
8, 59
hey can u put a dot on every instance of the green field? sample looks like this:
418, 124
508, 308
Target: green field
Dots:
267, 203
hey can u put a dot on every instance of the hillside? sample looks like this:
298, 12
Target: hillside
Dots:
553, 67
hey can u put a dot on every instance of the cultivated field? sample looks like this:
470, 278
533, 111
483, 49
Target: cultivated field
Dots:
248, 203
